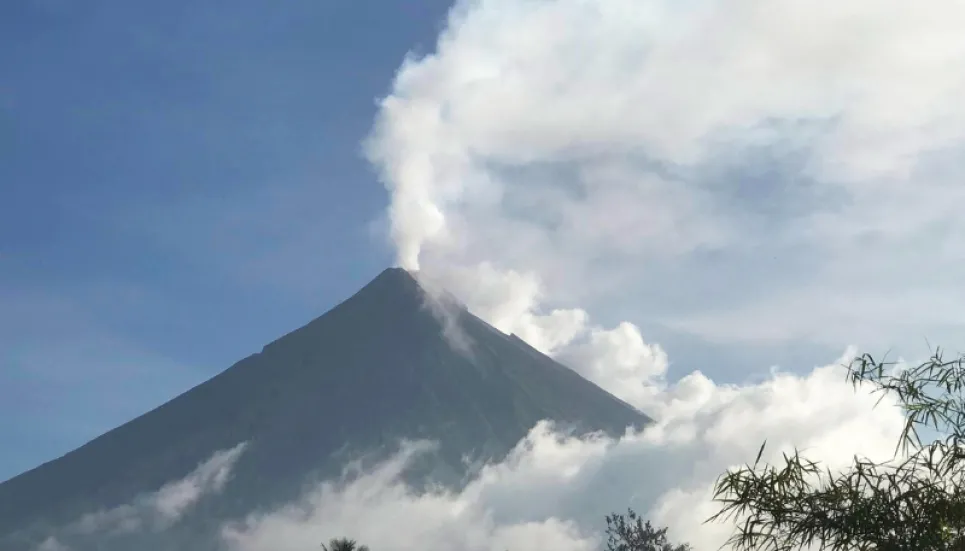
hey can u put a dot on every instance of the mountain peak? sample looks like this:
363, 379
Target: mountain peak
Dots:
396, 281
395, 290
375, 369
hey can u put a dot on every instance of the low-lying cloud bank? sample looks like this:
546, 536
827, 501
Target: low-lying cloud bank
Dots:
150, 513
554, 489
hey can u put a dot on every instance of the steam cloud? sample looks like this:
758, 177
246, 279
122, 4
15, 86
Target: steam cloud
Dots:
734, 165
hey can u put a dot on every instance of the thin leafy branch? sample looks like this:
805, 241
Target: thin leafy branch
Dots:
631, 533
915, 501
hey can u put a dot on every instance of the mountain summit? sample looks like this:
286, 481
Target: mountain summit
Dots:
374, 369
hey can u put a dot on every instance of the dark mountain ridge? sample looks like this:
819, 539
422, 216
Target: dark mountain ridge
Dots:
374, 369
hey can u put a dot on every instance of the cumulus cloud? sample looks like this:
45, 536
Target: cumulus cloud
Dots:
380, 509
553, 491
620, 361
508, 300
732, 168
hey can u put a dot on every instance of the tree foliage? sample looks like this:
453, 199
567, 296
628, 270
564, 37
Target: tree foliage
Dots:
631, 533
344, 544
624, 533
914, 502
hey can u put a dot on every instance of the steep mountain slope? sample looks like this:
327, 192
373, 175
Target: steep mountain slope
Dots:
373, 369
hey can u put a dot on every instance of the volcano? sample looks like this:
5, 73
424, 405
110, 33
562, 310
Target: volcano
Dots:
377, 368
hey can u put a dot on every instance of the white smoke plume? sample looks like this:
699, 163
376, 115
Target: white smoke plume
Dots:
732, 167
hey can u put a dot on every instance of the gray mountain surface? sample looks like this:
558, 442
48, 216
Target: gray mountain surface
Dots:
374, 369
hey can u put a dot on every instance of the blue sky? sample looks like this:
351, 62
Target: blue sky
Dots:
181, 183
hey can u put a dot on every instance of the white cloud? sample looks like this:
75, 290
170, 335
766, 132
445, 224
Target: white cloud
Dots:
174, 499
553, 490
52, 544
620, 361
380, 511
509, 301
767, 172
158, 510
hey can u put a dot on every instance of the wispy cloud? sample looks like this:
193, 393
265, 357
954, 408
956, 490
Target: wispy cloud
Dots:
149, 513
553, 491
160, 509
